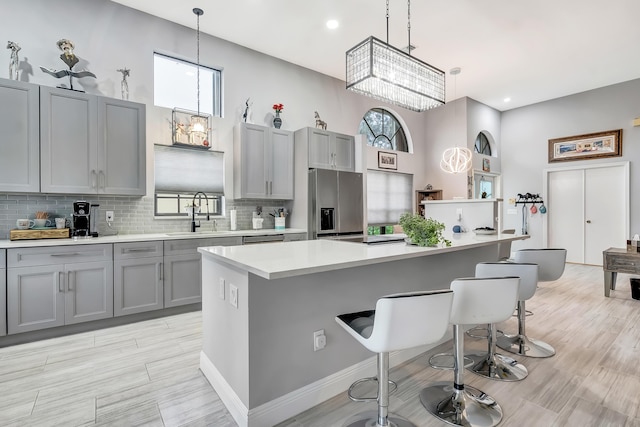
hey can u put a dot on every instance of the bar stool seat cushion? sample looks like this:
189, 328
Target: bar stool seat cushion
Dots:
401, 321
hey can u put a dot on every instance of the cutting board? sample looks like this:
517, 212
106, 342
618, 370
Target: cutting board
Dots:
50, 233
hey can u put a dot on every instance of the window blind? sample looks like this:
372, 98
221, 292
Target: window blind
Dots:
180, 170
389, 195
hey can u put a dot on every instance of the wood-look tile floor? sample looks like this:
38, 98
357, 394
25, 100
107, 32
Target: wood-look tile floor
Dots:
147, 373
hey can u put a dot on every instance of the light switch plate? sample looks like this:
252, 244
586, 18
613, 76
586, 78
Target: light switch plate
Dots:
233, 295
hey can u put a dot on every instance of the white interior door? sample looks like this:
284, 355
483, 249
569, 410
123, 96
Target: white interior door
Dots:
565, 212
588, 210
605, 213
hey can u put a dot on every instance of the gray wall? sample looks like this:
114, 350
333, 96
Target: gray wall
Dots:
525, 135
109, 36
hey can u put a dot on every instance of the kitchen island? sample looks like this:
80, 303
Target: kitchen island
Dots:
261, 305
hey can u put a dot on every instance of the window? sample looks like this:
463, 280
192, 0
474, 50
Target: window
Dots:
389, 195
175, 85
180, 173
482, 144
484, 186
383, 130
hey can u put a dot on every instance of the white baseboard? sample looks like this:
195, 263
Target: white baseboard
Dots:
290, 404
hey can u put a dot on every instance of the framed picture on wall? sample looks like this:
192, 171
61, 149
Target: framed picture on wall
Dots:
486, 165
588, 146
387, 160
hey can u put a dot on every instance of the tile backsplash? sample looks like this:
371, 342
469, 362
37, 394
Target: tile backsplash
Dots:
132, 215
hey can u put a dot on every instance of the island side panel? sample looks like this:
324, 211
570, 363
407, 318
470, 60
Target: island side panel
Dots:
225, 328
283, 314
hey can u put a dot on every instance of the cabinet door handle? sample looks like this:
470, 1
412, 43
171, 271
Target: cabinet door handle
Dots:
69, 288
266, 187
102, 180
56, 278
160, 278
138, 250
271, 187
67, 254
94, 179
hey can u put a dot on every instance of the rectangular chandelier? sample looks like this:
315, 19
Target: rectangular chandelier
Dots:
381, 71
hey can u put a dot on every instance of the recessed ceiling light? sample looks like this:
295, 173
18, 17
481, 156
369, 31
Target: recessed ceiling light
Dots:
332, 24
507, 99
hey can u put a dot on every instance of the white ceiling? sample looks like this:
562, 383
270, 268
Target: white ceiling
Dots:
528, 51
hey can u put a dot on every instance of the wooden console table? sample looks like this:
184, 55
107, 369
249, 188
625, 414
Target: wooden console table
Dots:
617, 260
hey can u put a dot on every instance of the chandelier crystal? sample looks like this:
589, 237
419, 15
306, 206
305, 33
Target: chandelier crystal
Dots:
381, 71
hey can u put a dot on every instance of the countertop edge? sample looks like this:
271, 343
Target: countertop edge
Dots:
126, 238
410, 252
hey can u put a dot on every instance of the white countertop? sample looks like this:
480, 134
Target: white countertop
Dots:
313, 256
123, 238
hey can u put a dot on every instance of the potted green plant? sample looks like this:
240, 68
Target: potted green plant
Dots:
423, 231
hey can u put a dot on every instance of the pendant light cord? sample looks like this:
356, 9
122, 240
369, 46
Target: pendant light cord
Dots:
198, 61
387, 22
409, 26
198, 12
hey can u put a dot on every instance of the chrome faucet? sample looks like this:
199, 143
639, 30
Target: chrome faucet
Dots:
193, 210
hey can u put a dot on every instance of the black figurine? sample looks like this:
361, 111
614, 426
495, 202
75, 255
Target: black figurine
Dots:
68, 57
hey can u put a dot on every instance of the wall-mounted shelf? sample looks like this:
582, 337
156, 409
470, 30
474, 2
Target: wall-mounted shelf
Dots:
423, 195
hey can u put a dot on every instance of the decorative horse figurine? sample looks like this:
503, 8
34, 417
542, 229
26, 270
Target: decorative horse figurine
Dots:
13, 62
320, 124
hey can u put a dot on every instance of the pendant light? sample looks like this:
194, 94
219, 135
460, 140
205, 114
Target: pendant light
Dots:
191, 129
383, 72
456, 159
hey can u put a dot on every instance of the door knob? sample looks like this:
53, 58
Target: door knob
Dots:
588, 221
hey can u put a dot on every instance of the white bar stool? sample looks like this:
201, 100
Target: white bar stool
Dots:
400, 321
551, 264
494, 365
476, 300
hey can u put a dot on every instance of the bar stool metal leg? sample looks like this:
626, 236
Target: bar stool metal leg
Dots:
380, 418
496, 366
459, 404
521, 344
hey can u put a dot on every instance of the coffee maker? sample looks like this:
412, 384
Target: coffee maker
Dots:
81, 218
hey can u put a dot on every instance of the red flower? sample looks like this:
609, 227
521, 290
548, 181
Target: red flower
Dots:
278, 107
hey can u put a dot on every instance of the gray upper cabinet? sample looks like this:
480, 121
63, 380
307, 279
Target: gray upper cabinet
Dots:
68, 141
330, 150
20, 141
56, 286
91, 144
263, 163
121, 147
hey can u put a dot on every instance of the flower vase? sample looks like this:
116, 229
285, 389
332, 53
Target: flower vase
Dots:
277, 121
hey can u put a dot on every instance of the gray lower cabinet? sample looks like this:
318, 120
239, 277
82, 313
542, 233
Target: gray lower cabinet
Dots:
56, 286
3, 294
183, 268
137, 277
294, 237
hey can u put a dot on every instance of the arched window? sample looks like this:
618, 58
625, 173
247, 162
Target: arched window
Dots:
383, 130
482, 145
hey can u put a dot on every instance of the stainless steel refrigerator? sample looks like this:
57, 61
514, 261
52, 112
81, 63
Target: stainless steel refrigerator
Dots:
335, 203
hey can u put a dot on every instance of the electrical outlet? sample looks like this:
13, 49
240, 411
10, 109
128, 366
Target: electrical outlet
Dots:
233, 295
221, 289
109, 216
319, 340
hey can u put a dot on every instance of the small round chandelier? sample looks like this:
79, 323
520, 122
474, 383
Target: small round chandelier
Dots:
456, 160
